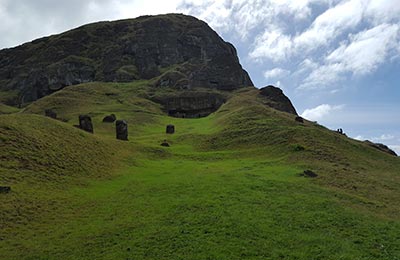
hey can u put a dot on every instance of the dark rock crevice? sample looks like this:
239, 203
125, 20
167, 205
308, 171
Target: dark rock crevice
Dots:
191, 104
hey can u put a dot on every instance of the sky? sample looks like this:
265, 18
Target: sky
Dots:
337, 60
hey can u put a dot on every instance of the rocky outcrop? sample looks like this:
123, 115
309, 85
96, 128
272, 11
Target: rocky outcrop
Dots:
309, 174
381, 147
33, 81
165, 143
180, 51
274, 97
299, 119
110, 118
191, 104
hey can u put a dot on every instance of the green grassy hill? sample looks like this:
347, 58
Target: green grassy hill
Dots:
4, 109
229, 187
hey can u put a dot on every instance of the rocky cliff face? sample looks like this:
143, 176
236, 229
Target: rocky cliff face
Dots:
179, 51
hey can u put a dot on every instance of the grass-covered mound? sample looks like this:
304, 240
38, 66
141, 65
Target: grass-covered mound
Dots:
40, 159
40, 150
228, 187
342, 163
4, 109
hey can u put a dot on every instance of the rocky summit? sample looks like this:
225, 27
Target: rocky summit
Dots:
175, 50
274, 97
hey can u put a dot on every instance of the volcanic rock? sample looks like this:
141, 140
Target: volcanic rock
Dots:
165, 143
275, 98
182, 51
381, 147
299, 119
109, 119
309, 173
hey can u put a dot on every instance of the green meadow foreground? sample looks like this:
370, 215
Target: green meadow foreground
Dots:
229, 187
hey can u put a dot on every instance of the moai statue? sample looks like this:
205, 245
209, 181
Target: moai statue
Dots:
170, 129
50, 113
85, 123
121, 128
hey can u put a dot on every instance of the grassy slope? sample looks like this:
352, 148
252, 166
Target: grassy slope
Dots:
227, 188
4, 109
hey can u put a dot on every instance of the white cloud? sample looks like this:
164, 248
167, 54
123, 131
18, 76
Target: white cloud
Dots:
383, 11
360, 138
244, 16
331, 24
339, 20
381, 138
217, 14
365, 117
129, 9
276, 73
299, 8
224, 16
278, 44
363, 54
323, 76
247, 16
395, 148
272, 45
306, 66
388, 139
367, 49
320, 112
